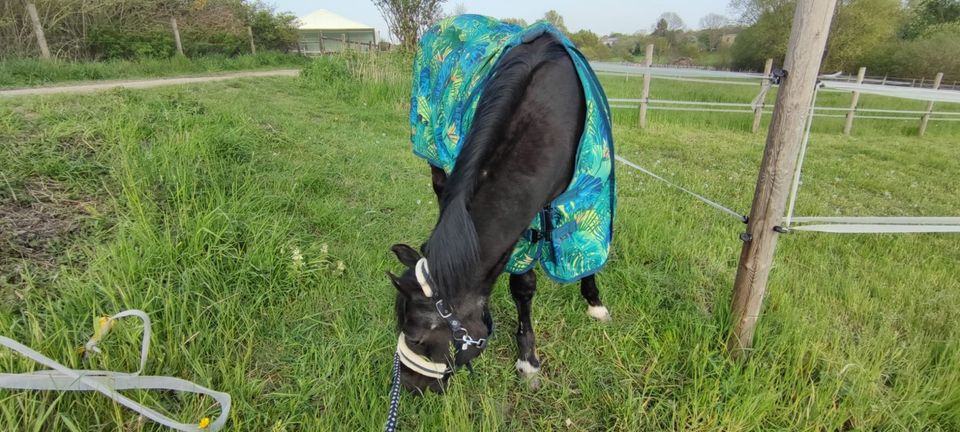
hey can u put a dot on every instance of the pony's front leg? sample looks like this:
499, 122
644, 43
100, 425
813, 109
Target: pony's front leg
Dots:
522, 288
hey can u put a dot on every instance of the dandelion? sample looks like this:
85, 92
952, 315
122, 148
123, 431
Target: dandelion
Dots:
204, 423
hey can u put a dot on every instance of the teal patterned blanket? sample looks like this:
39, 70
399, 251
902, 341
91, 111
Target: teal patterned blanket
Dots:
451, 70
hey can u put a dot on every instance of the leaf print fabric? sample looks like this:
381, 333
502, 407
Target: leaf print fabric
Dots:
451, 70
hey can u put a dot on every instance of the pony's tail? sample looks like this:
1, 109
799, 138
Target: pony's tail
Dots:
453, 249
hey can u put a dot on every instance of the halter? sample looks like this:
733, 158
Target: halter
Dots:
421, 364
461, 337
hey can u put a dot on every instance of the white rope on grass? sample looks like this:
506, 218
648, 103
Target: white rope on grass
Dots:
702, 198
108, 383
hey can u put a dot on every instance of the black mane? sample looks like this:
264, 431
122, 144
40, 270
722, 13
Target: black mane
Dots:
453, 249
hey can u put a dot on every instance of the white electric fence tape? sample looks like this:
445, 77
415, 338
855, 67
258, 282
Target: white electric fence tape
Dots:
108, 383
702, 198
923, 94
877, 228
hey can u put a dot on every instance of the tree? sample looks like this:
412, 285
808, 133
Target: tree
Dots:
660, 28
589, 44
271, 30
674, 22
860, 28
553, 17
714, 21
518, 21
712, 28
929, 14
750, 11
409, 19
766, 38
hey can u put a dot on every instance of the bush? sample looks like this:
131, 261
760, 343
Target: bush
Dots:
114, 44
204, 44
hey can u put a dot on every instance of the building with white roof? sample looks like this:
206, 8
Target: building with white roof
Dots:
323, 31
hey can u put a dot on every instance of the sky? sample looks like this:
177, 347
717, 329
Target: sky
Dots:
600, 16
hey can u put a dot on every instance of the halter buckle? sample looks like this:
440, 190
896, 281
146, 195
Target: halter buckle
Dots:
443, 310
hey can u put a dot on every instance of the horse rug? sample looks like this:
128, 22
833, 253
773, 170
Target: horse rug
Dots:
571, 236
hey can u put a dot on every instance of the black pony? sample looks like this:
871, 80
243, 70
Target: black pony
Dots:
521, 154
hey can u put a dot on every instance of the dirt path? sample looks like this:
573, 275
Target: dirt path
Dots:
143, 83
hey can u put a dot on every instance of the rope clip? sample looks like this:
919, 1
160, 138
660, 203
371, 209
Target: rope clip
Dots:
777, 76
781, 229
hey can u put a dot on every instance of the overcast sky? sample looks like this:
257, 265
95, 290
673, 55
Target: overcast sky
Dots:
600, 16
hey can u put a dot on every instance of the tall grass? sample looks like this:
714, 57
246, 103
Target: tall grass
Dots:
205, 193
34, 72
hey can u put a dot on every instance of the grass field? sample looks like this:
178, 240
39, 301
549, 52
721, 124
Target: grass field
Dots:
34, 72
192, 203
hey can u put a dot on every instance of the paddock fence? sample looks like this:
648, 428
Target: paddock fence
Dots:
930, 91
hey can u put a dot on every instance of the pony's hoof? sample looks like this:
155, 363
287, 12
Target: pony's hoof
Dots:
529, 374
599, 313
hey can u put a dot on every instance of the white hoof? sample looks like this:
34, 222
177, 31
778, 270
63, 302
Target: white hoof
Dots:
529, 374
526, 369
599, 313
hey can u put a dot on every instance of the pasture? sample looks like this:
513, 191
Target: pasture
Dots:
252, 220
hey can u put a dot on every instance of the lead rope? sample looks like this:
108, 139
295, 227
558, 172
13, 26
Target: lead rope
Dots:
110, 383
391, 425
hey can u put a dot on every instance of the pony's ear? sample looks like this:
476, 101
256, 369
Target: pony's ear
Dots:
406, 254
404, 289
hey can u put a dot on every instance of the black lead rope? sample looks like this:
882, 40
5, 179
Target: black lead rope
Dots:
391, 425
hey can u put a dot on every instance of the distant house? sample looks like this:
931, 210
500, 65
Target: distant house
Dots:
609, 40
727, 40
323, 31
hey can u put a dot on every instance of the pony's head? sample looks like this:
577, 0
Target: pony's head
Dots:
437, 335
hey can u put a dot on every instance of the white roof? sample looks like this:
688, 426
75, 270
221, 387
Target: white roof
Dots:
322, 19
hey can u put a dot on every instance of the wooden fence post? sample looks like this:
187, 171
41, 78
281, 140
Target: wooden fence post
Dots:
761, 98
811, 25
253, 47
926, 117
853, 103
322, 49
647, 61
38, 30
176, 34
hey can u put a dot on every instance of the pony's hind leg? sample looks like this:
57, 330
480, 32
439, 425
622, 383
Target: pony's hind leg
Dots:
522, 288
590, 292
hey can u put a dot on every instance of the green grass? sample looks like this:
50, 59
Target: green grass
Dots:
191, 201
34, 72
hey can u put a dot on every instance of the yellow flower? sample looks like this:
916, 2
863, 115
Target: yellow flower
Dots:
204, 422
